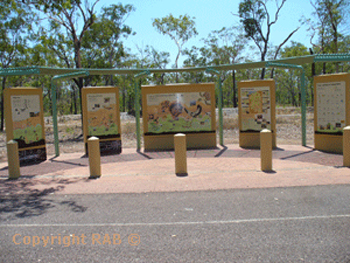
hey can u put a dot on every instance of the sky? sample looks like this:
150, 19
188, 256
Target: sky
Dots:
209, 15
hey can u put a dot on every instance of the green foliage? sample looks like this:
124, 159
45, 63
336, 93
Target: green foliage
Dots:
180, 30
98, 41
252, 14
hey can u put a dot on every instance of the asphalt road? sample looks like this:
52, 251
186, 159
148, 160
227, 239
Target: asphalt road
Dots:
297, 224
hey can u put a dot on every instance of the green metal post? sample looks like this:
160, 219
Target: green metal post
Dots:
303, 95
303, 108
137, 107
137, 115
221, 118
54, 103
54, 118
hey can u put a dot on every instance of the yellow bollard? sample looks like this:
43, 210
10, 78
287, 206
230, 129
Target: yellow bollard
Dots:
180, 154
346, 146
266, 150
13, 159
94, 157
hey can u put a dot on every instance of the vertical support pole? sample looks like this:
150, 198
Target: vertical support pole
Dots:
13, 159
137, 114
346, 146
180, 154
266, 150
137, 107
54, 102
221, 119
94, 157
303, 108
54, 117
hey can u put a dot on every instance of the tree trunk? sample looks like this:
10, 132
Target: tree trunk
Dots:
234, 89
124, 98
75, 101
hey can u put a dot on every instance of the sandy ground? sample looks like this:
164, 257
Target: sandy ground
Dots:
71, 140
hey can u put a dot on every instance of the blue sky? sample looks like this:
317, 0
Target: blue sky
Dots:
209, 15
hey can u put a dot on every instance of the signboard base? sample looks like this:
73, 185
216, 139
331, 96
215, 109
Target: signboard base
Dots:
193, 141
107, 147
329, 143
32, 156
252, 140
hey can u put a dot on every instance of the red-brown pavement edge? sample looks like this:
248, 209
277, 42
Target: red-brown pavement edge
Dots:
228, 167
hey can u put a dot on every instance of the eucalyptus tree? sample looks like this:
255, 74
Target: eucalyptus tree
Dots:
157, 59
180, 30
288, 81
15, 23
256, 19
103, 43
67, 27
329, 26
227, 46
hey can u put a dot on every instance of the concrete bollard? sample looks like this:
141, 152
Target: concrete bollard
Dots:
180, 154
266, 150
346, 146
94, 157
13, 160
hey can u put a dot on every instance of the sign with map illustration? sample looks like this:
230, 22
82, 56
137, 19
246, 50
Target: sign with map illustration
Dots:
102, 114
25, 123
331, 106
102, 118
26, 117
256, 108
179, 112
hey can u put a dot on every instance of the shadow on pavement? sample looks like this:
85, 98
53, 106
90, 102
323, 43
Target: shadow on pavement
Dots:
19, 199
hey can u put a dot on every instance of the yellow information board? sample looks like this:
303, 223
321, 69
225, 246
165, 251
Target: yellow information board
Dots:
179, 108
101, 118
256, 111
331, 105
24, 117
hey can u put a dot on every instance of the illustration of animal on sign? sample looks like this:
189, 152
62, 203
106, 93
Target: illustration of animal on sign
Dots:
175, 109
187, 112
205, 97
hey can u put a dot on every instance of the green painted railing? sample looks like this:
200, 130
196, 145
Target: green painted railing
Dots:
54, 103
137, 106
61, 73
221, 118
303, 95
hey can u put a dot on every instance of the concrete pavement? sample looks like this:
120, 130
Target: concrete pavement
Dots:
228, 167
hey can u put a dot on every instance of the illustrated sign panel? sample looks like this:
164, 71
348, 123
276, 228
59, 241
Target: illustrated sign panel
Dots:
24, 121
179, 112
102, 114
26, 117
331, 106
256, 108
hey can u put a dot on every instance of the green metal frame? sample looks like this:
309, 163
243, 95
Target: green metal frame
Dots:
54, 102
61, 73
137, 106
221, 118
303, 95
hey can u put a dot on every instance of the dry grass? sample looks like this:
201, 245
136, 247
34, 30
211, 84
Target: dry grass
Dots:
71, 140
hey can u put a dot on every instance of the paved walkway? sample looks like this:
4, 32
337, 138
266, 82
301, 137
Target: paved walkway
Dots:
228, 167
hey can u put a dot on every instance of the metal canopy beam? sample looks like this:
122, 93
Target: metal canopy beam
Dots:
61, 73
54, 104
